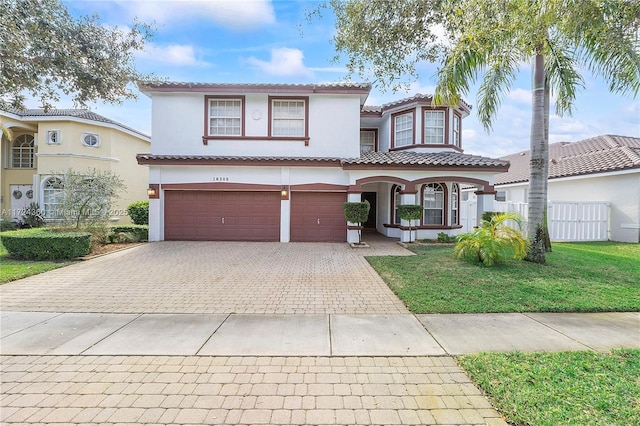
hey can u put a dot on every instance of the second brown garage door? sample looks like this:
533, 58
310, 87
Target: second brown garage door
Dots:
318, 216
222, 216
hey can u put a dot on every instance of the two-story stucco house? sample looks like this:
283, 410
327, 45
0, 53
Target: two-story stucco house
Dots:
276, 162
45, 144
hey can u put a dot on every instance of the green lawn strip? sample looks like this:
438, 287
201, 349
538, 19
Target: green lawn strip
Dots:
578, 277
565, 388
14, 269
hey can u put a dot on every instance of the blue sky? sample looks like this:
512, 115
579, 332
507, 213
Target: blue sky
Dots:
263, 41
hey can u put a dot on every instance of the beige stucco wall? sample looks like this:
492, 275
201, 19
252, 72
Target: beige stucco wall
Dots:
116, 152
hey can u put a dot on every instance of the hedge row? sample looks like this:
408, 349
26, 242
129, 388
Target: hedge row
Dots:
129, 233
43, 244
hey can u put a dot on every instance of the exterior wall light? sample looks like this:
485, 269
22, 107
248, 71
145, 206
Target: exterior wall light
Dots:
284, 192
154, 190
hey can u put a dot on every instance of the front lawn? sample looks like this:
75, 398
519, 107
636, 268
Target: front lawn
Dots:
13, 269
578, 277
566, 388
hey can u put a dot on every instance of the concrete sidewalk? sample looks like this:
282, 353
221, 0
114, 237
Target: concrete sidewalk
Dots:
47, 333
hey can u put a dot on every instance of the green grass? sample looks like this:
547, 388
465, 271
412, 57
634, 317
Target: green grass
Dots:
578, 277
14, 269
566, 388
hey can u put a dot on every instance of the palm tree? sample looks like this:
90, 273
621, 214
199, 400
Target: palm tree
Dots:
558, 37
494, 241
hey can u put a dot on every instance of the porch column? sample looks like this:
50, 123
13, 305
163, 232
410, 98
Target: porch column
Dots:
353, 196
486, 197
408, 197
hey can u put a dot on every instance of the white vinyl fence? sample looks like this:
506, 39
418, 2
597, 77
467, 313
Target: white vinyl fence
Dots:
568, 220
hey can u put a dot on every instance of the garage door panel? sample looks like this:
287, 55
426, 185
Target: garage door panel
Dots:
318, 216
222, 216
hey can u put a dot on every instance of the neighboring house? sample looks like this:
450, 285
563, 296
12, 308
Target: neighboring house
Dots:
46, 143
600, 169
276, 162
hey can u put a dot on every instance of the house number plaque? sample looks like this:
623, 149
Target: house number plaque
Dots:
221, 179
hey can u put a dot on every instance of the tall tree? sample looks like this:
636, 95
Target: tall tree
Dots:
44, 51
559, 38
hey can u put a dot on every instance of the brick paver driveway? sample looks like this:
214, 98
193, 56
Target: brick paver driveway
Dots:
213, 277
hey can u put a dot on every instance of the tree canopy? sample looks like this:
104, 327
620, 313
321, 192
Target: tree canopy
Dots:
44, 51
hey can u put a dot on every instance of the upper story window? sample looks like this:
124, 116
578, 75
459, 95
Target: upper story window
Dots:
54, 137
225, 116
368, 140
289, 117
403, 129
457, 130
434, 128
433, 204
23, 152
91, 140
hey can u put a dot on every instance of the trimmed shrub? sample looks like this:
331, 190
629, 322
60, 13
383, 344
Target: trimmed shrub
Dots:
139, 212
43, 244
8, 225
129, 233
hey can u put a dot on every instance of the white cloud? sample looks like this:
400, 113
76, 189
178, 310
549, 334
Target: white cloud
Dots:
236, 14
520, 96
172, 54
285, 62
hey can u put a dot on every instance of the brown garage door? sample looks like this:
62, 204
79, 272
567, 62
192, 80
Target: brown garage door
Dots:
318, 216
222, 216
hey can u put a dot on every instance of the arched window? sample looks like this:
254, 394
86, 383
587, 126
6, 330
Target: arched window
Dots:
52, 194
396, 200
455, 204
433, 204
22, 152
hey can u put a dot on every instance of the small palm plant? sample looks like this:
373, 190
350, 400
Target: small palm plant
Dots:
494, 242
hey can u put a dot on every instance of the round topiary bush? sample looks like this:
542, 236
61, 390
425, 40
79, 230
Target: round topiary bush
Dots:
139, 212
44, 244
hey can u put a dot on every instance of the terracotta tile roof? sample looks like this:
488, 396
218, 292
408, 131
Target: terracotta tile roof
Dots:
400, 158
455, 159
233, 159
251, 87
599, 154
74, 113
419, 97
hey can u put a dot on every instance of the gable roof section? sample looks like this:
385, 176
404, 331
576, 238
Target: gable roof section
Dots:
419, 97
84, 114
600, 154
371, 160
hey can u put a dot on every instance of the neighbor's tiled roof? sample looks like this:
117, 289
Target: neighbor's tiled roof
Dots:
406, 158
599, 154
75, 113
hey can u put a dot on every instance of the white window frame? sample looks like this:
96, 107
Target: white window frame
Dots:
434, 134
371, 144
52, 197
397, 201
233, 119
23, 150
437, 204
403, 132
285, 127
455, 213
90, 135
54, 137
457, 130
501, 196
